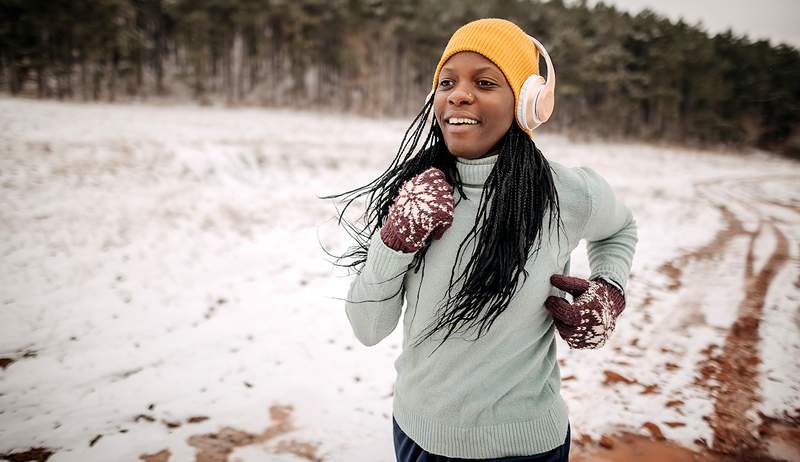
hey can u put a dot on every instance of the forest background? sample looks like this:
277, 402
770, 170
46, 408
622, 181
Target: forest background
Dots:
620, 76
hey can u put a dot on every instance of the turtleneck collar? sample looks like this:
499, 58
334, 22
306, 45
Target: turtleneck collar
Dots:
474, 172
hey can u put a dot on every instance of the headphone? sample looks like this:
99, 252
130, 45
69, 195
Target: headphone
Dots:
537, 96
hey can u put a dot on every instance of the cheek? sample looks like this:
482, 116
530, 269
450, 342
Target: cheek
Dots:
502, 120
504, 113
439, 104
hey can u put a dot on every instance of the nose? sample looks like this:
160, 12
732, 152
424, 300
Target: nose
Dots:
460, 95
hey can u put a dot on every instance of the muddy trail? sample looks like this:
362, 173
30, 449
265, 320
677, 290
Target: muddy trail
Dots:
729, 371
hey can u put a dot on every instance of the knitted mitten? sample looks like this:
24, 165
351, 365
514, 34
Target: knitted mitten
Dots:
588, 321
424, 205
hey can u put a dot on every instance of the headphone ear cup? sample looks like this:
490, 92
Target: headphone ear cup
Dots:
545, 101
527, 114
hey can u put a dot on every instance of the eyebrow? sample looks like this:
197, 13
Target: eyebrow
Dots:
478, 70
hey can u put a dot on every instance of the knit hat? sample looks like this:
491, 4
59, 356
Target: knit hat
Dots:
503, 43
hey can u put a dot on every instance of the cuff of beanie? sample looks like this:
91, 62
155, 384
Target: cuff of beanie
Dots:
383, 262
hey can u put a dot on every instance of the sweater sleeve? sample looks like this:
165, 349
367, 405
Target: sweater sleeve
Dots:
375, 299
610, 231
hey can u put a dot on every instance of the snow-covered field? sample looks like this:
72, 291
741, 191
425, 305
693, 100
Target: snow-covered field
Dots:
164, 293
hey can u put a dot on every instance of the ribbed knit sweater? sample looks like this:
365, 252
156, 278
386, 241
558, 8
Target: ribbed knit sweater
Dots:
498, 396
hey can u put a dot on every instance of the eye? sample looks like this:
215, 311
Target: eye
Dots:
445, 83
486, 83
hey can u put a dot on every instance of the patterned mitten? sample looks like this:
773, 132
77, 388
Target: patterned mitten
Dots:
424, 205
588, 321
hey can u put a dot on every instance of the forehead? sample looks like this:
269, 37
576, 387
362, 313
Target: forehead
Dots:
469, 61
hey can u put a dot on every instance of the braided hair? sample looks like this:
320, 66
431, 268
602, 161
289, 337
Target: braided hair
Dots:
517, 197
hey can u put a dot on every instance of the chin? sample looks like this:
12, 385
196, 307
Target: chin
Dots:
466, 153
466, 156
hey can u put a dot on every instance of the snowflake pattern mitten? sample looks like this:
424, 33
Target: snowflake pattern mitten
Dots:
423, 207
589, 320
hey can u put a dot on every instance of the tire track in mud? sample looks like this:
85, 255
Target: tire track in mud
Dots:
731, 373
732, 229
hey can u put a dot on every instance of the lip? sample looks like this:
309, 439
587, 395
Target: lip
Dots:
458, 129
461, 115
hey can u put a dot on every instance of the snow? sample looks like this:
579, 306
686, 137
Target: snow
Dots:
780, 331
167, 262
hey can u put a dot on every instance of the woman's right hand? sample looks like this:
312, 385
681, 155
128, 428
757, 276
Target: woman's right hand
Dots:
423, 206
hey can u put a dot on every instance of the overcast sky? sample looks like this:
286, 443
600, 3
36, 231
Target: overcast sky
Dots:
776, 20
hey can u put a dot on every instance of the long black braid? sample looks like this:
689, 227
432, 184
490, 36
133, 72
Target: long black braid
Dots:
519, 193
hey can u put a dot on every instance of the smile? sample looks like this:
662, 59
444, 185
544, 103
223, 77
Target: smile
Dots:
461, 121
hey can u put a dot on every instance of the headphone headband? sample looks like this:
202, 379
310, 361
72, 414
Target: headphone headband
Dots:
551, 72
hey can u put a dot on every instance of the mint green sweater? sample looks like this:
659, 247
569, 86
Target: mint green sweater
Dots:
498, 396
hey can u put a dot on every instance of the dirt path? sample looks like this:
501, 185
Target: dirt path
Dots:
732, 373
729, 372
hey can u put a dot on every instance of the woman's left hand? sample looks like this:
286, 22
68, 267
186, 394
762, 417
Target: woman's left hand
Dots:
589, 320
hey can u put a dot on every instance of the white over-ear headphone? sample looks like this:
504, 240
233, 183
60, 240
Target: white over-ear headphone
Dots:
537, 96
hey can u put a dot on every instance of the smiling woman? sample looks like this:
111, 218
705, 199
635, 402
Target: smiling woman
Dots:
476, 200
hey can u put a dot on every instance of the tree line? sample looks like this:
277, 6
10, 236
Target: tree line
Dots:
619, 75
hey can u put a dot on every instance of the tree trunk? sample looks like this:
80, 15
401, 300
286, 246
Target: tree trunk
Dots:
159, 56
97, 80
238, 46
84, 77
139, 86
112, 81
41, 84
253, 64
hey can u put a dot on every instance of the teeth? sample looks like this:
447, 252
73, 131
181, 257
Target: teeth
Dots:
458, 120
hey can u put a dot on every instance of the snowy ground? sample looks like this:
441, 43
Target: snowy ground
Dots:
165, 296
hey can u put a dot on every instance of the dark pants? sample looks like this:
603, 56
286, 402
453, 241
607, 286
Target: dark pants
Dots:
406, 450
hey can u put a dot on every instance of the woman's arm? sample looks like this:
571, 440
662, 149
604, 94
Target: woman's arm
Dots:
423, 207
610, 231
375, 299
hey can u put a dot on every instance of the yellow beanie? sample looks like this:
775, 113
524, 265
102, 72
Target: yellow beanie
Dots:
503, 43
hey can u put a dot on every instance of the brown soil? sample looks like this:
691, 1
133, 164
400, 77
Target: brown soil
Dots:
7, 361
629, 447
160, 456
218, 446
782, 436
302, 449
30, 455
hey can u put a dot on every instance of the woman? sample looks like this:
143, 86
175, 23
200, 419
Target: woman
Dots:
482, 266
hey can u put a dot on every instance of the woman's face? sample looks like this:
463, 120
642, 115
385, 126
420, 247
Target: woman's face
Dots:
473, 104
